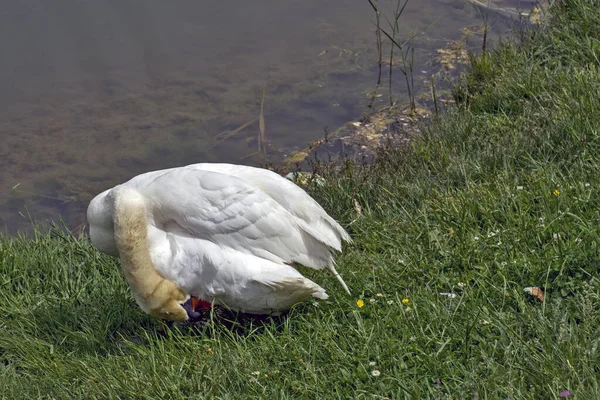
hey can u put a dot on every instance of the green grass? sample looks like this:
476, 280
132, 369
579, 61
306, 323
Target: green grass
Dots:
500, 194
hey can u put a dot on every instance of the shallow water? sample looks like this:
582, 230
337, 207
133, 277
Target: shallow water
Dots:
93, 93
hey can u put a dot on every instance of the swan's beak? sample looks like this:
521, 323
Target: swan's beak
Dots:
194, 307
200, 304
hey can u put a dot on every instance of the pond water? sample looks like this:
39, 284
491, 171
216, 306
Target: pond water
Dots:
95, 92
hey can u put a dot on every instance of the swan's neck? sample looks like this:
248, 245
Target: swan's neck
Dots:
131, 237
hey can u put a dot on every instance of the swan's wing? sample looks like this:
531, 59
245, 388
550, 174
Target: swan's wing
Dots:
312, 218
231, 213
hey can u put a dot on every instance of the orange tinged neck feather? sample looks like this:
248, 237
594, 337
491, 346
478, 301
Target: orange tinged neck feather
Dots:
154, 294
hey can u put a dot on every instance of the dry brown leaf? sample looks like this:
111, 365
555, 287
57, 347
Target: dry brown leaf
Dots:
535, 292
357, 207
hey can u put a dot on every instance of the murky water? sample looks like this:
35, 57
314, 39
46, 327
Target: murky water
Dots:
94, 92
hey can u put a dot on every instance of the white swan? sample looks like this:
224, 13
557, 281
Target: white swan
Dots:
221, 233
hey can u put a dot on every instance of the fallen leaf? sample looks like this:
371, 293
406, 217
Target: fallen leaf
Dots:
535, 292
357, 207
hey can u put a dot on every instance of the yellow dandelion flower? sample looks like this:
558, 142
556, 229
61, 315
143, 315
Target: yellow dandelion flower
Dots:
405, 301
556, 192
360, 303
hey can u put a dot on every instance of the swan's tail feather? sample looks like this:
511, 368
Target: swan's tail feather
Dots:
320, 294
331, 268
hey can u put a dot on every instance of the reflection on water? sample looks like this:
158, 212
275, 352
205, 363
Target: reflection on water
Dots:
92, 93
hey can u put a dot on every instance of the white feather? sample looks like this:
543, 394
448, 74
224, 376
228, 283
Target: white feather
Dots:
228, 233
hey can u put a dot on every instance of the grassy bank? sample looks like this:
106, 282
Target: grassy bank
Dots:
500, 194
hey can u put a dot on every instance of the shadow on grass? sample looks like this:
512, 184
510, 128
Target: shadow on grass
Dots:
222, 319
101, 327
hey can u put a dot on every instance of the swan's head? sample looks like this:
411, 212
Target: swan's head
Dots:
173, 311
165, 302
